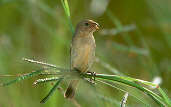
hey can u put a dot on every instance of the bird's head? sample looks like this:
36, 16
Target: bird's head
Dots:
87, 26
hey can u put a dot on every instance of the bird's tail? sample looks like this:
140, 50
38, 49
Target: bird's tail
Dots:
70, 92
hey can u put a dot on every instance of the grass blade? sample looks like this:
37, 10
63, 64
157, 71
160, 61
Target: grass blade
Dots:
138, 80
67, 12
66, 7
159, 100
123, 90
25, 76
51, 91
164, 95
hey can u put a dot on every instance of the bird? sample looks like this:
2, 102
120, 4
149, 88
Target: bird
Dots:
82, 52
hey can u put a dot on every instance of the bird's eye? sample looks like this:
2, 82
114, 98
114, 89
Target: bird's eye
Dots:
86, 24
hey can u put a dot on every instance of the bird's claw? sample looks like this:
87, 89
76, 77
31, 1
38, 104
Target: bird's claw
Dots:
92, 78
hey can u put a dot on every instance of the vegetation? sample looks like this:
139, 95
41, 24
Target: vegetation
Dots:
134, 42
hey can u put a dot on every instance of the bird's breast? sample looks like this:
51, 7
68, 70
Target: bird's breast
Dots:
82, 54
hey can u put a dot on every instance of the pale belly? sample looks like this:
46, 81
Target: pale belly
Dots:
82, 57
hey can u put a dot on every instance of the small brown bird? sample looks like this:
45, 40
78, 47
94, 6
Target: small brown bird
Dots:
82, 51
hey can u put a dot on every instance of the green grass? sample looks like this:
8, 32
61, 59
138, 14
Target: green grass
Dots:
162, 101
38, 29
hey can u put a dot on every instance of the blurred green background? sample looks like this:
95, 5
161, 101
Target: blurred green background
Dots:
134, 40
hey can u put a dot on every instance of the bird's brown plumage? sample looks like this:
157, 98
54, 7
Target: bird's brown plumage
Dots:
82, 51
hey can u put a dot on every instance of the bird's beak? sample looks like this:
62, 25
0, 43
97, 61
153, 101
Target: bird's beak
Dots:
97, 26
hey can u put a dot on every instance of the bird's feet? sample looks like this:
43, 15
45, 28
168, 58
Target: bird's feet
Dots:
93, 77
